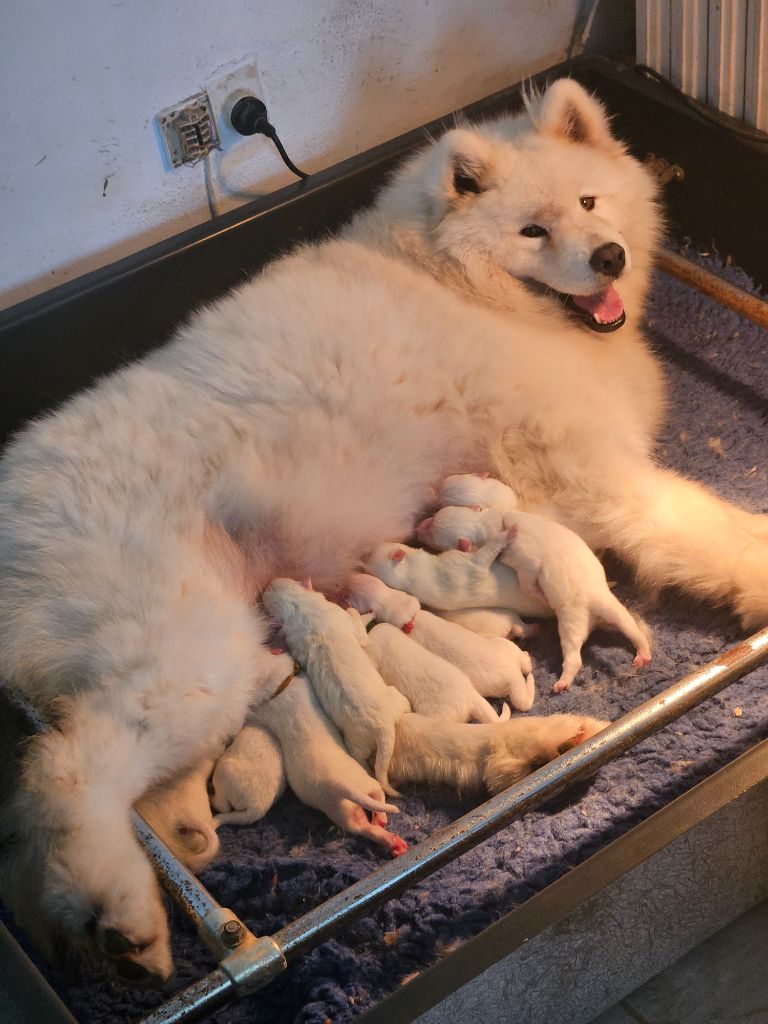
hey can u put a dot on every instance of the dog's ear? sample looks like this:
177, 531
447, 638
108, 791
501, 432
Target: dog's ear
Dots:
464, 166
567, 111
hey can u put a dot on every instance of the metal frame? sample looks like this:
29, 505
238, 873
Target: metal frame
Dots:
255, 962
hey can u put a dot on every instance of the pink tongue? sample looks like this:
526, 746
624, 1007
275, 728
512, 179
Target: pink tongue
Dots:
605, 306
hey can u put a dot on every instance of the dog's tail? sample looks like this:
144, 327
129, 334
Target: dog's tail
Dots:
503, 769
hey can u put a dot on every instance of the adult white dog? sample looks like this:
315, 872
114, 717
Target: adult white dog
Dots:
296, 424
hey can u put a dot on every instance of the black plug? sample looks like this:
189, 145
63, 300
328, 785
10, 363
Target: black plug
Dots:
249, 117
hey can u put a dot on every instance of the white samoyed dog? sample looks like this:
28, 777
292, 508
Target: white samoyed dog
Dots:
296, 424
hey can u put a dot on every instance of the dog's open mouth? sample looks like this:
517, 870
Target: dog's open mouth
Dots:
602, 311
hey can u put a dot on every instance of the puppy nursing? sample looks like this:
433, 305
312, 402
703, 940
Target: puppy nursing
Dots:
551, 564
327, 643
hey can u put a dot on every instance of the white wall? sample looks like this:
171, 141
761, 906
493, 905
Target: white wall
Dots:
81, 82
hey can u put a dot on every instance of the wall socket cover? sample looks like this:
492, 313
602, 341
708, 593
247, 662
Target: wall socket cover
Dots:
188, 129
229, 84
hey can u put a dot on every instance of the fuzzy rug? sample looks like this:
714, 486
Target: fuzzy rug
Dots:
276, 870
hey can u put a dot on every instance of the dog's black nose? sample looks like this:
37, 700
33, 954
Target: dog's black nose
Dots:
608, 259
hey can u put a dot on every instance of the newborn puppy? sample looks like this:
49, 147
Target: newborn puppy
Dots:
553, 563
328, 643
433, 686
320, 771
460, 527
249, 777
473, 757
477, 489
455, 580
490, 622
496, 667
180, 813
369, 594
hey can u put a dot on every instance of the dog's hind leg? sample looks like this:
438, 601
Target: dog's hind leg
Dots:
675, 532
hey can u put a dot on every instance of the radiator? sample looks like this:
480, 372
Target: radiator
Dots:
714, 50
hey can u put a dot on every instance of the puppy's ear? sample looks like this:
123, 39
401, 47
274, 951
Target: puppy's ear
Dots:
567, 111
464, 166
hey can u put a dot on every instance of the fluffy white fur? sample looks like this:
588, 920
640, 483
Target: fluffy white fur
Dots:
328, 643
433, 686
248, 779
180, 813
320, 771
473, 757
299, 422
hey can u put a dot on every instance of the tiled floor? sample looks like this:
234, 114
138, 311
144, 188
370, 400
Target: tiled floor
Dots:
722, 981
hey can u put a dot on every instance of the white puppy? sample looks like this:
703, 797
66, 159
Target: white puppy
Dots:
455, 580
180, 813
552, 563
320, 771
496, 667
249, 777
328, 643
470, 757
433, 686
370, 594
489, 622
478, 489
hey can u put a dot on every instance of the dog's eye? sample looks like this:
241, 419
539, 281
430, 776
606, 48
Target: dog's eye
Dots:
588, 202
534, 231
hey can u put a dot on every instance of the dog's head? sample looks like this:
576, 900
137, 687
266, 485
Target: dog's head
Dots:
549, 197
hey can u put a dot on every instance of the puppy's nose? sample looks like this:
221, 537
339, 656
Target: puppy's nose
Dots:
608, 259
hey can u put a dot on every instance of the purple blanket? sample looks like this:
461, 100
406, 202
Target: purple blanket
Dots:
277, 869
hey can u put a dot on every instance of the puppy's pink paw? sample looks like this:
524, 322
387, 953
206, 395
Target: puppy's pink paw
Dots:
398, 847
561, 685
641, 660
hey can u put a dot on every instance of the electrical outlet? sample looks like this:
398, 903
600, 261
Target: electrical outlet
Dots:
225, 88
189, 129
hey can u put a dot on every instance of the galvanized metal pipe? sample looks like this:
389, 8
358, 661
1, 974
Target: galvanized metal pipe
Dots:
314, 927
729, 295
219, 927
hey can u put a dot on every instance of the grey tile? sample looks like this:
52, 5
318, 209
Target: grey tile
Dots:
616, 1015
721, 981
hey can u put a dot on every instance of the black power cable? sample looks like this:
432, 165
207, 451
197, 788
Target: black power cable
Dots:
249, 117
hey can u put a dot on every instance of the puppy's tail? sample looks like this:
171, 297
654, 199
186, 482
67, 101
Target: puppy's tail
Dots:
246, 817
367, 801
482, 711
384, 751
